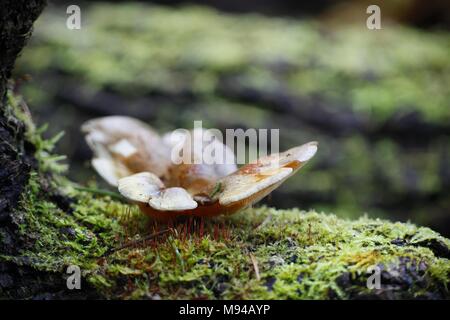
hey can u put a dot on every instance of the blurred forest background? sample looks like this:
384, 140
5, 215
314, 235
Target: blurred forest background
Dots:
377, 101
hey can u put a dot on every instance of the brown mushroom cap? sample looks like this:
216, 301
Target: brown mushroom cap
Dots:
259, 176
130, 155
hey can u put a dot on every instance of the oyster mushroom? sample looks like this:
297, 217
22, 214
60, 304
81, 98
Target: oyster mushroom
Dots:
123, 146
130, 155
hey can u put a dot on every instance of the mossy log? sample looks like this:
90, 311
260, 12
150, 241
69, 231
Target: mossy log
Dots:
49, 223
258, 253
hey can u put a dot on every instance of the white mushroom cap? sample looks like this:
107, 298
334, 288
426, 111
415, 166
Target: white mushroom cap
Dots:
146, 187
264, 175
123, 146
197, 145
109, 170
140, 187
240, 186
301, 154
253, 181
173, 199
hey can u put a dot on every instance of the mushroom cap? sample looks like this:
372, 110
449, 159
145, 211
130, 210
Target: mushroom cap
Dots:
123, 146
195, 170
131, 155
173, 199
140, 187
251, 182
148, 188
245, 184
264, 173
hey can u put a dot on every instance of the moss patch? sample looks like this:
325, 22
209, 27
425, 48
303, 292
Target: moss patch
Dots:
191, 49
258, 253
300, 255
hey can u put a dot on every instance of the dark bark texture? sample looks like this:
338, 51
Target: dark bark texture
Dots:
16, 154
17, 17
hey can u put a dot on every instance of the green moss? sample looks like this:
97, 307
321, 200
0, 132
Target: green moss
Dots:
48, 162
299, 254
192, 48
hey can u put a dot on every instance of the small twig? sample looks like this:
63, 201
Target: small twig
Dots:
264, 223
255, 266
111, 194
309, 233
132, 243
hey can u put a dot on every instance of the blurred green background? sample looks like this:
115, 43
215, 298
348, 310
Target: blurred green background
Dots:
377, 101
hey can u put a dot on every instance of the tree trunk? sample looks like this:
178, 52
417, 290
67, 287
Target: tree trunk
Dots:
16, 154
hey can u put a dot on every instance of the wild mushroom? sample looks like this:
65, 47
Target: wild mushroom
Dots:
132, 156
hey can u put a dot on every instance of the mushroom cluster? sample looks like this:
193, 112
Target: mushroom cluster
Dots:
131, 156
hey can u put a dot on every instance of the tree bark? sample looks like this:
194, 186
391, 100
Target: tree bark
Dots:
16, 153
